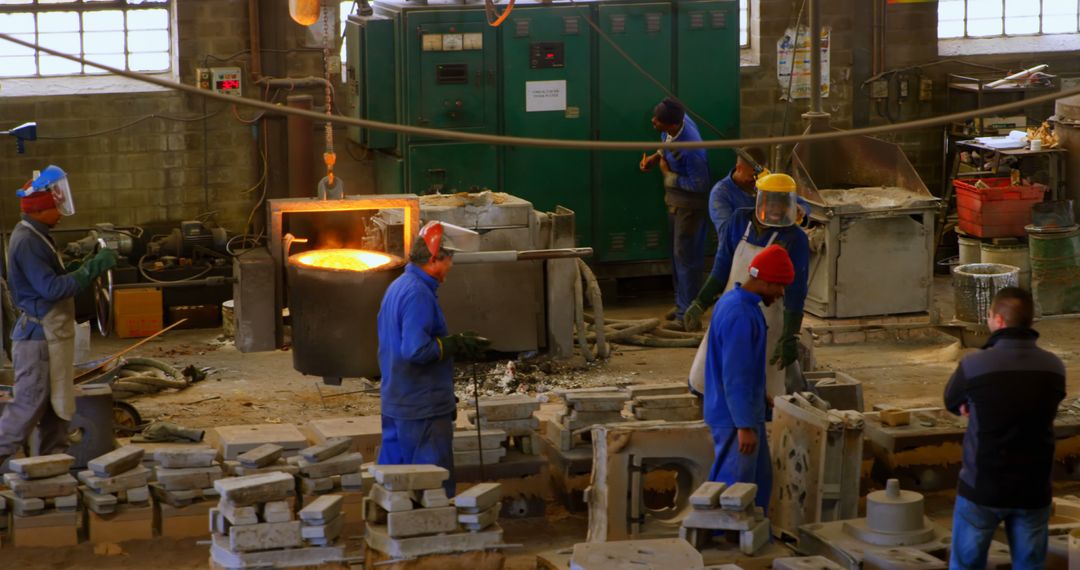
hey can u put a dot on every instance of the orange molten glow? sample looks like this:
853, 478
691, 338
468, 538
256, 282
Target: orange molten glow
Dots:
344, 259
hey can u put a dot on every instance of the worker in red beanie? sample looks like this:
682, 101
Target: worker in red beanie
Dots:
735, 402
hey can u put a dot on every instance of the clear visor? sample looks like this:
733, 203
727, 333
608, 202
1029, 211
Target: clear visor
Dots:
61, 192
777, 209
457, 238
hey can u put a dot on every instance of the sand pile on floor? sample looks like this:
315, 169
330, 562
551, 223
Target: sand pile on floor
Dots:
872, 197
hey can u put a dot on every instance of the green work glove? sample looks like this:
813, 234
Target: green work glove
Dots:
95, 266
73, 265
464, 346
691, 319
787, 348
705, 299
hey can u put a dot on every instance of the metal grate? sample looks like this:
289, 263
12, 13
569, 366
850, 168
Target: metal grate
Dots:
652, 239
719, 19
571, 26
618, 23
697, 21
618, 242
521, 27
652, 22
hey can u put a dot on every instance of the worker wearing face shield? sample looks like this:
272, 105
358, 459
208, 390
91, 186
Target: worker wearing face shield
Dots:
43, 289
417, 353
773, 220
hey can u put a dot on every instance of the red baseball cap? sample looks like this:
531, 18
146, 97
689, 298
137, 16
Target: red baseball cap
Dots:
773, 264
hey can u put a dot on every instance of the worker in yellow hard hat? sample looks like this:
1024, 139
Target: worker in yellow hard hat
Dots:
773, 220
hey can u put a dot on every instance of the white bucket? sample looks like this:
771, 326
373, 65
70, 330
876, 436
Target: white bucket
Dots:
970, 252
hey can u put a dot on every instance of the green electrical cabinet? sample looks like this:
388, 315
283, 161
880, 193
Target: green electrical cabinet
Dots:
546, 73
547, 93
630, 215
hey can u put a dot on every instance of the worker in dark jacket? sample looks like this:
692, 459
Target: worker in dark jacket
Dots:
1010, 393
686, 195
735, 394
43, 339
416, 357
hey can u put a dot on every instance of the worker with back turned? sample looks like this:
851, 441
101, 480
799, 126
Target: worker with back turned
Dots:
416, 357
1010, 392
750, 230
735, 397
686, 195
43, 339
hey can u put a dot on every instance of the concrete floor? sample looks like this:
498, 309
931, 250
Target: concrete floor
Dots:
263, 388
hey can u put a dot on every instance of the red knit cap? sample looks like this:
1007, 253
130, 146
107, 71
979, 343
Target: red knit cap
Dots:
773, 264
37, 202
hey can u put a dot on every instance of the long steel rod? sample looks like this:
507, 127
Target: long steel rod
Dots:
815, 56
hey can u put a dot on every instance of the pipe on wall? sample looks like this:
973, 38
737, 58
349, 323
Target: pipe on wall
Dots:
301, 161
815, 56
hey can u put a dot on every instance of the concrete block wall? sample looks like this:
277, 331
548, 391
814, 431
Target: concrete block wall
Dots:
157, 170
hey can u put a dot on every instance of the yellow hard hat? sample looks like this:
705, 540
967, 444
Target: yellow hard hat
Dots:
776, 182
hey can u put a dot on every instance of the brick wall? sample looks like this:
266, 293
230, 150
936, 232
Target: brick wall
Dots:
160, 170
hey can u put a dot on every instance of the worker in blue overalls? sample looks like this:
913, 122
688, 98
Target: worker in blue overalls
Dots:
686, 195
736, 190
416, 357
773, 220
43, 339
735, 395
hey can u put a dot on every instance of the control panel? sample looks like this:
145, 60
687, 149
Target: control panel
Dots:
546, 55
223, 80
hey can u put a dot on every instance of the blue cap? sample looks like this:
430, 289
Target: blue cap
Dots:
51, 175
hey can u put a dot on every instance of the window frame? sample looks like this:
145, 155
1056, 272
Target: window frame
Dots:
1006, 43
82, 7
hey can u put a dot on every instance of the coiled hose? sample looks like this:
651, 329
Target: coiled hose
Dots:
146, 376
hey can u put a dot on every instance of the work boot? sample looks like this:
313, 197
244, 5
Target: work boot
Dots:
671, 314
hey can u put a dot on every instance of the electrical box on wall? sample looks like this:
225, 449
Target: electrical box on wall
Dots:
225, 80
202, 78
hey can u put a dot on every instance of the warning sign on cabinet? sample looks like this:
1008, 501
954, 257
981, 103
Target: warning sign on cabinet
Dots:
545, 96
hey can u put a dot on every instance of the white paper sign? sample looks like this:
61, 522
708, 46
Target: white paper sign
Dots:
545, 96
794, 61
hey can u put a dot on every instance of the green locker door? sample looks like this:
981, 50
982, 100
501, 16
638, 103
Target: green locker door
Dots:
629, 204
707, 80
546, 73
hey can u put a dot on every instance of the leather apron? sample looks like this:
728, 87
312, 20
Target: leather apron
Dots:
774, 321
59, 326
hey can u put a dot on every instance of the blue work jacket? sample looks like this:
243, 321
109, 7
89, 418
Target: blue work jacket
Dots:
735, 362
791, 238
36, 278
692, 165
417, 377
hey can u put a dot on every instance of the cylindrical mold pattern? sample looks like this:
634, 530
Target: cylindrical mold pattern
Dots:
334, 314
1055, 272
899, 513
974, 287
1009, 254
970, 250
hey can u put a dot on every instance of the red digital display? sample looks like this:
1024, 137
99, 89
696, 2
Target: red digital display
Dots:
228, 84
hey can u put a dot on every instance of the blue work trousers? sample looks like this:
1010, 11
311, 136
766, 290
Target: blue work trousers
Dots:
688, 233
429, 441
974, 527
733, 467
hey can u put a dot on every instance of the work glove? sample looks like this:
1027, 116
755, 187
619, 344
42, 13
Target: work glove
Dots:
787, 348
705, 299
92, 268
464, 346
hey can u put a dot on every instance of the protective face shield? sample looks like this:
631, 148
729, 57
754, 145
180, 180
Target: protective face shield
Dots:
441, 237
777, 202
55, 181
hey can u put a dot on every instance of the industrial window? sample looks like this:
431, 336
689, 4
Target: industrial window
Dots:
1007, 26
744, 23
135, 35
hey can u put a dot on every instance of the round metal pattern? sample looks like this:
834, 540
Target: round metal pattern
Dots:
103, 297
126, 419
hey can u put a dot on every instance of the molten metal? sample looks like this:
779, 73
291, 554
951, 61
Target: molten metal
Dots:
344, 259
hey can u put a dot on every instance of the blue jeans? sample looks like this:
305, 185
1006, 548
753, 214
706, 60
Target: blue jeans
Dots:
689, 231
733, 467
974, 526
429, 441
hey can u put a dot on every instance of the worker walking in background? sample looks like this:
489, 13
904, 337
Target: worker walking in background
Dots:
750, 230
1010, 393
686, 194
43, 339
416, 357
735, 396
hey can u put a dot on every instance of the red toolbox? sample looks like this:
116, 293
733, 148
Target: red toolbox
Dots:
1002, 210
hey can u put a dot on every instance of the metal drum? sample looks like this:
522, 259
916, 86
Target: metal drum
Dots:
334, 298
1011, 254
974, 287
970, 250
1055, 271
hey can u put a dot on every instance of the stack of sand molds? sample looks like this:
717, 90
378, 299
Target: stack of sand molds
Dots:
116, 493
718, 507
512, 415
184, 489
44, 501
667, 402
267, 458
